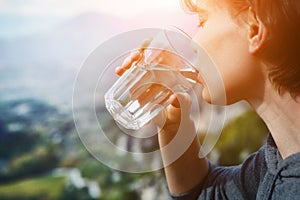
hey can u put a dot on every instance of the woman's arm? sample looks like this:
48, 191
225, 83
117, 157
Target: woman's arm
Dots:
179, 144
180, 148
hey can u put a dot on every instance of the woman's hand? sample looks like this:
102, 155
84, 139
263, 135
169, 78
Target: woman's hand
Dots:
183, 167
134, 57
172, 113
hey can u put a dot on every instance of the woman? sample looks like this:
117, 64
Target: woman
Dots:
255, 45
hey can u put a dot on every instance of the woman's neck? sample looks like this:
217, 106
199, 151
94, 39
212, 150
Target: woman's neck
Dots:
281, 114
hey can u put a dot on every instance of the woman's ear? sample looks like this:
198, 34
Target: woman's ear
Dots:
258, 34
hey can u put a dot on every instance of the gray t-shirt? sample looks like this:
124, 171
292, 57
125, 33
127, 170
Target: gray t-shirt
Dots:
263, 175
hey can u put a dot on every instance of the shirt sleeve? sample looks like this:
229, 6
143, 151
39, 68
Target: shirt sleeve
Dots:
234, 182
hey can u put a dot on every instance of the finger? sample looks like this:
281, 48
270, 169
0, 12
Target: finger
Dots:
160, 120
180, 100
145, 44
178, 110
193, 75
174, 101
180, 107
127, 62
134, 56
120, 70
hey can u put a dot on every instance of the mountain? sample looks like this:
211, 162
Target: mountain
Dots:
44, 65
70, 39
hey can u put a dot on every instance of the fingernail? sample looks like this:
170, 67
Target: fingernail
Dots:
174, 101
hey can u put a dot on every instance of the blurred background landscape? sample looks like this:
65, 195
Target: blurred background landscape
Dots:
42, 46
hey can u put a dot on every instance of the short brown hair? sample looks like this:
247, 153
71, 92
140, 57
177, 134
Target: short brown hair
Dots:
282, 19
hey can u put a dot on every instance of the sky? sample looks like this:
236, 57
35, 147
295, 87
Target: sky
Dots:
71, 7
19, 17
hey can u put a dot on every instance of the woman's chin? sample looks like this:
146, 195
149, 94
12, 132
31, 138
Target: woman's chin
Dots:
215, 99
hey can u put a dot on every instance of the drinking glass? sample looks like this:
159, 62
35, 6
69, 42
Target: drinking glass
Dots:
166, 67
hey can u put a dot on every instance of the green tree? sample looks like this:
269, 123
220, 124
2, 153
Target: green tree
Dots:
241, 137
41, 159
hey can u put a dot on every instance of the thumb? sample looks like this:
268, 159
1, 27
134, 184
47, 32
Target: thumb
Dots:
178, 110
180, 107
